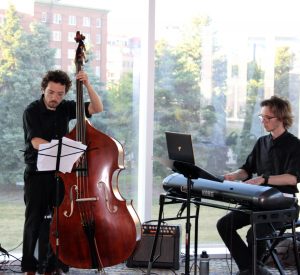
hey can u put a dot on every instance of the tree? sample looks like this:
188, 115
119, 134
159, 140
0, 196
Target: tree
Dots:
25, 58
181, 106
284, 60
254, 94
118, 119
177, 90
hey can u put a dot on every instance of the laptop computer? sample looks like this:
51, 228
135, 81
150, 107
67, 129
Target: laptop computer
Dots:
180, 148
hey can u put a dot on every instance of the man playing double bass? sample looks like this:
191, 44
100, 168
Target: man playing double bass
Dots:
43, 120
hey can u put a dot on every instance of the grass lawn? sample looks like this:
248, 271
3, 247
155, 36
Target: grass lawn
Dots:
12, 220
208, 217
11, 217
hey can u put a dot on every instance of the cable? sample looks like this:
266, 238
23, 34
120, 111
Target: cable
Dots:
8, 265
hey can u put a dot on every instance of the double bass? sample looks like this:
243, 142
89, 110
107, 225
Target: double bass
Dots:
94, 226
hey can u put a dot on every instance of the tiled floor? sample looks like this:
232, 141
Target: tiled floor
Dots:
216, 267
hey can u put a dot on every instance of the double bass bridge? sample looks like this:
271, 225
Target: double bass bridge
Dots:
87, 199
78, 199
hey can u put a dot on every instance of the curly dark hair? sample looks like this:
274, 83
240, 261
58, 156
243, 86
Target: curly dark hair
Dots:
281, 109
56, 76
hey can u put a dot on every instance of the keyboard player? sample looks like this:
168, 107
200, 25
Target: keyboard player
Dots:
274, 161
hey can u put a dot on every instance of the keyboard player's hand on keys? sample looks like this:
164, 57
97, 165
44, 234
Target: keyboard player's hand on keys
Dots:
256, 181
230, 176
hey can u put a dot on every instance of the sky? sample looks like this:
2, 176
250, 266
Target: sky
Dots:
125, 15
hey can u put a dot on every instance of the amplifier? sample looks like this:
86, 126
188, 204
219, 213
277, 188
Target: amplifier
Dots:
168, 247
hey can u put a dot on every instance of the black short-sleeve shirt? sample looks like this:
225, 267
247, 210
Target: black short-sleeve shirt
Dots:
38, 121
275, 157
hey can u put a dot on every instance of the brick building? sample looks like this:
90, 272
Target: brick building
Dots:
63, 21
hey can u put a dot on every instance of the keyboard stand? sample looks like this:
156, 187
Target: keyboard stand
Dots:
174, 200
256, 217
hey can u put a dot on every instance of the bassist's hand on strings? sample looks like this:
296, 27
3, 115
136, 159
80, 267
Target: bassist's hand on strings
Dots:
82, 76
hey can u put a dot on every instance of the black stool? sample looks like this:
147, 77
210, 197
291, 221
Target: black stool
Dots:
273, 241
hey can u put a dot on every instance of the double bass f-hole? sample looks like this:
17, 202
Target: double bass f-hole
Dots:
111, 208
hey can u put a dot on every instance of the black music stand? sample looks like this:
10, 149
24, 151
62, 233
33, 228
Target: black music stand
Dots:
3, 251
189, 171
57, 169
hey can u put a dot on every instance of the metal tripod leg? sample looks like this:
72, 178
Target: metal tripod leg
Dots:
161, 203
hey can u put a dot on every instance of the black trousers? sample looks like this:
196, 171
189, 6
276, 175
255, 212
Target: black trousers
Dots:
39, 197
241, 251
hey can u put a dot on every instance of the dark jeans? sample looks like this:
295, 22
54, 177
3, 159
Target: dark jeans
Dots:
240, 251
39, 197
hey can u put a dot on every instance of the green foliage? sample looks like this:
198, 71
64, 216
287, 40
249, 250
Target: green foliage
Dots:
254, 95
120, 115
284, 61
26, 58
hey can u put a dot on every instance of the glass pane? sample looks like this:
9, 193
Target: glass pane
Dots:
214, 64
33, 47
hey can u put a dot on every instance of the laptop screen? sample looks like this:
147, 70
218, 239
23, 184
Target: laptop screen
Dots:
180, 147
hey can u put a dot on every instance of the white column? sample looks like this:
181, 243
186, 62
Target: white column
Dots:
146, 109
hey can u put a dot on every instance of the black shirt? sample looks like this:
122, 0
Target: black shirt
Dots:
275, 157
38, 121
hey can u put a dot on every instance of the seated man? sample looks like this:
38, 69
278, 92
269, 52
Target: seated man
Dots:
275, 159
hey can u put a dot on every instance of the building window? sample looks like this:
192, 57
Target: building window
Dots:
72, 20
71, 53
56, 18
98, 39
57, 53
97, 71
87, 37
86, 21
56, 35
97, 55
98, 23
71, 36
44, 17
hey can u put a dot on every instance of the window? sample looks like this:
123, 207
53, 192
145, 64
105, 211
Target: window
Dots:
71, 36
57, 53
87, 37
98, 39
97, 71
86, 21
234, 66
213, 66
71, 53
98, 55
44, 17
98, 23
56, 36
56, 18
72, 20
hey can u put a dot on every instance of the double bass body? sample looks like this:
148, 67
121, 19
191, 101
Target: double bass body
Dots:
96, 226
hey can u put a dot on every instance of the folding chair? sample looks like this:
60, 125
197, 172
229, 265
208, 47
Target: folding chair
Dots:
278, 236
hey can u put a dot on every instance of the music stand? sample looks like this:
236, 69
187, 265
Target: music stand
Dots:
3, 251
65, 148
190, 172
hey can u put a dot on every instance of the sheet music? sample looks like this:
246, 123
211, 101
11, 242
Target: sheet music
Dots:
71, 151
